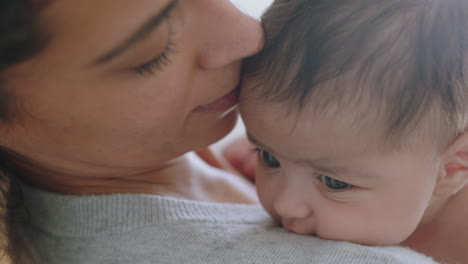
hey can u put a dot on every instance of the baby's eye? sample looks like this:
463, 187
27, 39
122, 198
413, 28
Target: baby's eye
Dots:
268, 160
333, 184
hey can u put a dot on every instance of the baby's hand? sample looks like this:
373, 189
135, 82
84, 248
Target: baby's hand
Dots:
242, 156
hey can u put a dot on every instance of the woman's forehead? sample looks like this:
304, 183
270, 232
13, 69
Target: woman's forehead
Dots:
96, 24
88, 12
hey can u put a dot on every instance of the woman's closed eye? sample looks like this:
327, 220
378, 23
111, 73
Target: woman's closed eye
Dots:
333, 184
158, 63
267, 160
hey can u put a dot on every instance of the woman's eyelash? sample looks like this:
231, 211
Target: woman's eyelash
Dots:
156, 64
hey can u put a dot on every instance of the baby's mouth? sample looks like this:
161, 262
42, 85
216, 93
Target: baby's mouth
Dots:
292, 225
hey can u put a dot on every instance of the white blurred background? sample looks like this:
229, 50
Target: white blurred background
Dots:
253, 7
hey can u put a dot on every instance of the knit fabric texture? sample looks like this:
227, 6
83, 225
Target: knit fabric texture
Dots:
132, 228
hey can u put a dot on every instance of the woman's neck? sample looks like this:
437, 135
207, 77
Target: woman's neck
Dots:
445, 238
187, 177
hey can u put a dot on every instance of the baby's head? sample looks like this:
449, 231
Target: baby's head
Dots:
358, 108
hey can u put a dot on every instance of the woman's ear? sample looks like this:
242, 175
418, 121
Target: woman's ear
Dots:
453, 175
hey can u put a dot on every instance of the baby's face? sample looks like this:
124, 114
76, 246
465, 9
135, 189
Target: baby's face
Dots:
321, 174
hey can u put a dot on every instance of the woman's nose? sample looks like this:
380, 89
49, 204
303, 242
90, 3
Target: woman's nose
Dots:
232, 36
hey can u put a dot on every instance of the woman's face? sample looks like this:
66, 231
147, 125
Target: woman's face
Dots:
129, 84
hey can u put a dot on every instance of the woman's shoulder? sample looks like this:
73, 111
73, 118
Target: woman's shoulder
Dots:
154, 229
282, 245
204, 242
262, 243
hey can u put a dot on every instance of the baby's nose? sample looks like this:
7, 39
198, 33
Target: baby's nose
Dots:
290, 205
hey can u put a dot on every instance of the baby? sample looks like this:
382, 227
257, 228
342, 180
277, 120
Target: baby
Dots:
358, 109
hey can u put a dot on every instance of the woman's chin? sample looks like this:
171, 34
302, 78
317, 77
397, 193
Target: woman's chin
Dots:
225, 125
209, 130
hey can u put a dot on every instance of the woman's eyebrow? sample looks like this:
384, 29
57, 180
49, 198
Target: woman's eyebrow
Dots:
139, 35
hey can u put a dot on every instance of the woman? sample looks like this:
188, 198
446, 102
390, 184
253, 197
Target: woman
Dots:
102, 103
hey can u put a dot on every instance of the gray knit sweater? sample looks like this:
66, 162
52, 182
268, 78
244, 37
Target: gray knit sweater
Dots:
152, 229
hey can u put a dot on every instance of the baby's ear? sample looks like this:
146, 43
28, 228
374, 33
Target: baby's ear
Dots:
454, 172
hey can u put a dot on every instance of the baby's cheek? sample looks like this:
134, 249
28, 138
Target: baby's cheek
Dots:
266, 194
366, 230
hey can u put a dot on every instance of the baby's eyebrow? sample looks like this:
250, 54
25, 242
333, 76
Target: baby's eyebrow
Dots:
318, 164
313, 164
332, 169
341, 171
263, 146
257, 142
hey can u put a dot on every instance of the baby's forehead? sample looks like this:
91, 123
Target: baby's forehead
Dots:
391, 58
360, 121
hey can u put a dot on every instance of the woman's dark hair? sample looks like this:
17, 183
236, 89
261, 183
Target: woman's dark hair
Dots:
20, 39
407, 58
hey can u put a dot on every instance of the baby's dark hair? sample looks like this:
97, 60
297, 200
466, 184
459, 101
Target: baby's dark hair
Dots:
408, 58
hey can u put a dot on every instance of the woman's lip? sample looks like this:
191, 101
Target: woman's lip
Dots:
222, 104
